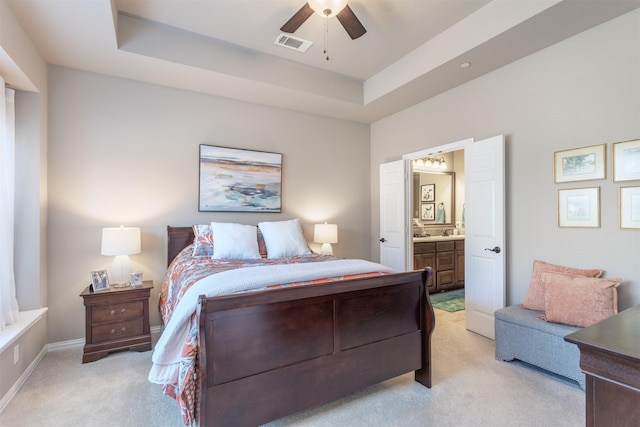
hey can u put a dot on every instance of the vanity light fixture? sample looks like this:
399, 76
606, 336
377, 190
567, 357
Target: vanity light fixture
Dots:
430, 162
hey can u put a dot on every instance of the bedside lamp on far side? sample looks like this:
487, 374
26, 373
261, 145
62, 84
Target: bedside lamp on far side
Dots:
121, 242
325, 234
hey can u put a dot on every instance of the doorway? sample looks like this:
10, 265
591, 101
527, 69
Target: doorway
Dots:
484, 203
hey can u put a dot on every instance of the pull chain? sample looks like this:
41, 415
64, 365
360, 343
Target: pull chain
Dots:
326, 39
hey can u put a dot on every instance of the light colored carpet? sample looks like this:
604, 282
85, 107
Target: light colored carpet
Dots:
470, 388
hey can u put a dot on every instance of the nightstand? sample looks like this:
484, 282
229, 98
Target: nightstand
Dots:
116, 319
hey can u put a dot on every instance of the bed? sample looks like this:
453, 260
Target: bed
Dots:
265, 354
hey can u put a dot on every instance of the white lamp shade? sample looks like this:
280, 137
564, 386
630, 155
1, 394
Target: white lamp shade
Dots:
325, 233
120, 241
334, 6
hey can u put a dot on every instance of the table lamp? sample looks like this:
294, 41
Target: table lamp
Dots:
325, 234
121, 242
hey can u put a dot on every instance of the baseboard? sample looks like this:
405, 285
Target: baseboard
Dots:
65, 344
61, 345
155, 331
23, 378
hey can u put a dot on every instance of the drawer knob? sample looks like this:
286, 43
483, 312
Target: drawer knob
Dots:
120, 313
120, 332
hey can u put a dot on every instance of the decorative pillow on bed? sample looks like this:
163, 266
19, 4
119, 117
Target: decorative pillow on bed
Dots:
534, 300
578, 300
203, 241
284, 239
235, 241
262, 246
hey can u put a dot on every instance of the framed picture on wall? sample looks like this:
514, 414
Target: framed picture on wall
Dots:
236, 180
626, 160
630, 207
579, 207
428, 193
428, 211
580, 164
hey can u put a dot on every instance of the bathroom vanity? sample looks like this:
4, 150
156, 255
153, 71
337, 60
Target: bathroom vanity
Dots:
445, 255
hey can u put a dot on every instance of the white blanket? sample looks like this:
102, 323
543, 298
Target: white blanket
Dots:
167, 353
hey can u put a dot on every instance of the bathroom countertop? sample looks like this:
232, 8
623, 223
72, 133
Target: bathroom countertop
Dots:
437, 238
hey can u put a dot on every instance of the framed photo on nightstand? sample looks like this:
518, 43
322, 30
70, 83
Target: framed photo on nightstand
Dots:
99, 280
136, 279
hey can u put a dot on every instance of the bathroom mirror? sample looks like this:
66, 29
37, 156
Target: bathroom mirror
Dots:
434, 198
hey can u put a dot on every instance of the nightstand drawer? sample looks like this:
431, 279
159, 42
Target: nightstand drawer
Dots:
114, 331
117, 312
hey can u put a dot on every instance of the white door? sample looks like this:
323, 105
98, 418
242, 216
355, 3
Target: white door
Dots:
485, 233
393, 226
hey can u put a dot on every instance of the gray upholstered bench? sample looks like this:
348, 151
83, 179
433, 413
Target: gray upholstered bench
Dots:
522, 335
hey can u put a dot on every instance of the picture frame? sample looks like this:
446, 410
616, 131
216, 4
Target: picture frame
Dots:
428, 211
237, 180
99, 280
428, 193
136, 279
626, 160
629, 200
579, 207
580, 164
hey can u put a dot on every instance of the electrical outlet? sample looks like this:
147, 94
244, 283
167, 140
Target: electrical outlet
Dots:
16, 354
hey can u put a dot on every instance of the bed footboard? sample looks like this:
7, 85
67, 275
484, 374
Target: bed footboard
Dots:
265, 355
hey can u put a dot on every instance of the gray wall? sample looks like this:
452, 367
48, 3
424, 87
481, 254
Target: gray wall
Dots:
126, 153
580, 92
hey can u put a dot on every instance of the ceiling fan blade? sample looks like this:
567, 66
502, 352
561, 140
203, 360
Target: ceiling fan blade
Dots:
298, 19
351, 23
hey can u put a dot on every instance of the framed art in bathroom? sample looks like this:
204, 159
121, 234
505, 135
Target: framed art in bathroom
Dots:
428, 212
428, 193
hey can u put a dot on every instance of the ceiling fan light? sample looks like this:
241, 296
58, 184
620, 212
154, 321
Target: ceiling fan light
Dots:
327, 8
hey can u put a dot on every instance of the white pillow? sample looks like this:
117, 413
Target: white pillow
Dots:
284, 239
235, 241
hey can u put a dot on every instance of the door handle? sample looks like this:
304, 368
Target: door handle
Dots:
495, 249
383, 240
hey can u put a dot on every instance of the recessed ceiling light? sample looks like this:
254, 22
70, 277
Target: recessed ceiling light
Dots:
465, 65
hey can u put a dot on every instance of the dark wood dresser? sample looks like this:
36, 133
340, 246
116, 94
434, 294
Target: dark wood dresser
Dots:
116, 319
610, 359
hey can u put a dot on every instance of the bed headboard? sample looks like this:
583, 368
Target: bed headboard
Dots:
179, 238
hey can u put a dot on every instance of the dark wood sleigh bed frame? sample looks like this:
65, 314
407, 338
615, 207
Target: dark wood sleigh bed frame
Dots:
268, 354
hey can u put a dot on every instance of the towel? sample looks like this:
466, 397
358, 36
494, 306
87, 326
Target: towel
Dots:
440, 214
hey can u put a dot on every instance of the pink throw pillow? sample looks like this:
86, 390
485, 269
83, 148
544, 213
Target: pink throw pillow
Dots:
577, 300
535, 300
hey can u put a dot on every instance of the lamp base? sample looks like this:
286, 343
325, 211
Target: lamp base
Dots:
120, 271
121, 285
326, 249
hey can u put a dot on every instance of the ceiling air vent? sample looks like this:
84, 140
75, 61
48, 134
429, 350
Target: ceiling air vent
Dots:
285, 40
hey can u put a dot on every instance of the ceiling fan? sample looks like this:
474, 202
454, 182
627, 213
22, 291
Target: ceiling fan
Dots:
327, 9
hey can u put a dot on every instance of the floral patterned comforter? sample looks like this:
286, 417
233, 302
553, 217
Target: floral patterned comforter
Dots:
185, 270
